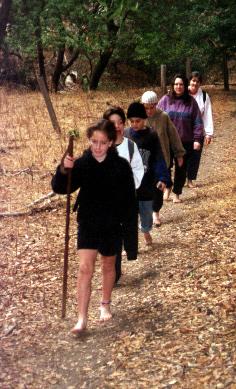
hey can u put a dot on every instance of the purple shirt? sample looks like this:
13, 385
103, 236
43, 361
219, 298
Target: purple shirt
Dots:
186, 117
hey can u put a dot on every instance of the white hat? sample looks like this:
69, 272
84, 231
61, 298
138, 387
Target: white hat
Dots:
149, 97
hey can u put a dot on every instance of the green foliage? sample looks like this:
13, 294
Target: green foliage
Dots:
139, 32
172, 31
75, 133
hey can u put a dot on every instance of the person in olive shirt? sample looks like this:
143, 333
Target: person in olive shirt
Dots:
170, 142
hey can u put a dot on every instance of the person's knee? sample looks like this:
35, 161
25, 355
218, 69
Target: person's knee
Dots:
108, 265
86, 270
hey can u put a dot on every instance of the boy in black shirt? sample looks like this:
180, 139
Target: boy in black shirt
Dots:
155, 169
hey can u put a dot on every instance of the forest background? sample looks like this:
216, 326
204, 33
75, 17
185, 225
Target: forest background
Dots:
174, 322
100, 42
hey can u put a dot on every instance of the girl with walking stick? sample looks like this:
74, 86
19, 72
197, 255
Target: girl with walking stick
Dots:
106, 211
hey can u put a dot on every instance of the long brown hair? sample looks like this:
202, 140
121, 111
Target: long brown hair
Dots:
186, 96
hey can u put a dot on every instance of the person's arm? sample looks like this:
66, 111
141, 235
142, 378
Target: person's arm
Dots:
208, 120
197, 124
161, 173
159, 164
130, 214
60, 178
137, 167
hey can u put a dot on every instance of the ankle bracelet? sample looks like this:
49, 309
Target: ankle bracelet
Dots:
105, 302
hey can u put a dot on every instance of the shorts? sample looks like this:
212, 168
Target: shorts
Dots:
106, 241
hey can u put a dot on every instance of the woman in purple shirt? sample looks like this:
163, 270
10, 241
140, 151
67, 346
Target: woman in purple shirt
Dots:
185, 114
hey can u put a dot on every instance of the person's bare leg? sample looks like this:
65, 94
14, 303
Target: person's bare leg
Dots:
85, 274
156, 219
108, 279
166, 194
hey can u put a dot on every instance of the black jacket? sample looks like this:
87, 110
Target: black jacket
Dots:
155, 168
106, 197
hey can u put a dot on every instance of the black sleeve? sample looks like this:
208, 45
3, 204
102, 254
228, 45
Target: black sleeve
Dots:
59, 180
159, 166
130, 215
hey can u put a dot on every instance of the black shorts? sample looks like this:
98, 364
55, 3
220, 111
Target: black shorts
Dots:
105, 240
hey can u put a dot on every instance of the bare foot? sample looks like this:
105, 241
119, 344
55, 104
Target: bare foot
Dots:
156, 219
148, 238
79, 327
157, 222
176, 199
190, 184
166, 194
105, 312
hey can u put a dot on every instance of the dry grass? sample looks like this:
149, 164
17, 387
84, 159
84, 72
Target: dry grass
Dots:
28, 142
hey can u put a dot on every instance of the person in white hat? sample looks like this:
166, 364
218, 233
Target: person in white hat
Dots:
170, 142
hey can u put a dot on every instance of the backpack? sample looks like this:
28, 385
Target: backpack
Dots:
131, 149
204, 96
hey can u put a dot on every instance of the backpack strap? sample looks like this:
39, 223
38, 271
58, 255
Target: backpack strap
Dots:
127, 132
131, 149
204, 96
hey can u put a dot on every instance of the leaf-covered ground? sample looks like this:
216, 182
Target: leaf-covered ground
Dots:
175, 308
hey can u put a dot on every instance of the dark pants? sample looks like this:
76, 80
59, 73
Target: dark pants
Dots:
119, 246
157, 200
194, 163
180, 172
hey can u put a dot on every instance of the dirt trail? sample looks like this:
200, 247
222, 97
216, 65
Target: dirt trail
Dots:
174, 311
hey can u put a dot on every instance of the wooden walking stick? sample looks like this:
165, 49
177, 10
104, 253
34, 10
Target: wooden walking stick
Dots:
72, 135
67, 236
69, 151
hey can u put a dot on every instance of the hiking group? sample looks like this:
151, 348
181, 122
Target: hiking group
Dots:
126, 172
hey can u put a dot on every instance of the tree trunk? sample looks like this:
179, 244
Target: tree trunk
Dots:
225, 70
100, 68
163, 80
188, 67
104, 56
41, 64
72, 59
4, 16
42, 71
58, 68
